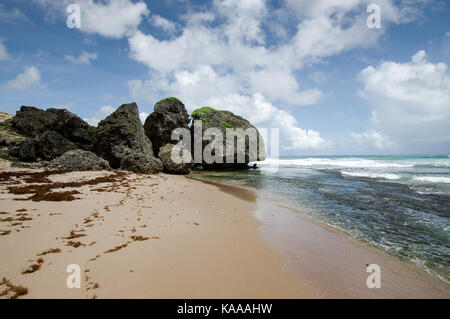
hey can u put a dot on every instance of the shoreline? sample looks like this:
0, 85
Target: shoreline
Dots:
307, 254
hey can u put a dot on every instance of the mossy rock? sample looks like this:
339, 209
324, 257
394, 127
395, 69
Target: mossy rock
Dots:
202, 111
223, 120
170, 99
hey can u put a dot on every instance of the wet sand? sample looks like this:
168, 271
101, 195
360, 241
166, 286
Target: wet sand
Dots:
333, 264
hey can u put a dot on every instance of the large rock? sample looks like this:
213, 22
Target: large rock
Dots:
33, 122
223, 120
168, 114
121, 140
51, 145
184, 163
78, 160
24, 151
142, 164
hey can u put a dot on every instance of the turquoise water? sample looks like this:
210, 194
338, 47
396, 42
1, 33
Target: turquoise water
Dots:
400, 204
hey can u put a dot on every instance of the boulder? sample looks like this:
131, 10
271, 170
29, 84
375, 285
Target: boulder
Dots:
51, 145
78, 160
141, 164
168, 114
24, 151
33, 122
121, 141
223, 120
183, 167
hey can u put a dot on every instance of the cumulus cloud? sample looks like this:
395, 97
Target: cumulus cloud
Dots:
222, 57
84, 58
370, 140
109, 18
3, 52
29, 78
410, 101
163, 23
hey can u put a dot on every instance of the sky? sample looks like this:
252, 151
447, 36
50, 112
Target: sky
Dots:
312, 69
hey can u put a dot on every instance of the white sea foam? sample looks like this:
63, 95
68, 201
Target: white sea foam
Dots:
333, 162
432, 179
372, 175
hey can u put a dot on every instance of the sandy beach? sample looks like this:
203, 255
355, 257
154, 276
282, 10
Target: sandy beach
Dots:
156, 236
168, 236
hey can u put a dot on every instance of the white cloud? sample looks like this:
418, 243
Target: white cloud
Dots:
109, 18
163, 23
3, 52
107, 109
143, 116
84, 58
370, 139
29, 78
410, 101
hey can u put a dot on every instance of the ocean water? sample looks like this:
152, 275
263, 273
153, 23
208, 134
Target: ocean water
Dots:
399, 204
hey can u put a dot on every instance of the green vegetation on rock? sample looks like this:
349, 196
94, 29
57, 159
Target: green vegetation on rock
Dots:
172, 99
227, 124
202, 111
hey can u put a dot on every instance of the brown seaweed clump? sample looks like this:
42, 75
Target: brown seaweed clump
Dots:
116, 248
17, 291
50, 251
139, 238
43, 190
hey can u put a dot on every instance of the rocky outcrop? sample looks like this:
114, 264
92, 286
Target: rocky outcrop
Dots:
122, 142
141, 163
51, 145
223, 120
34, 122
182, 165
78, 160
168, 115
24, 151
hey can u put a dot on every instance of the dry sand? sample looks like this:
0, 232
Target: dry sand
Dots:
166, 236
